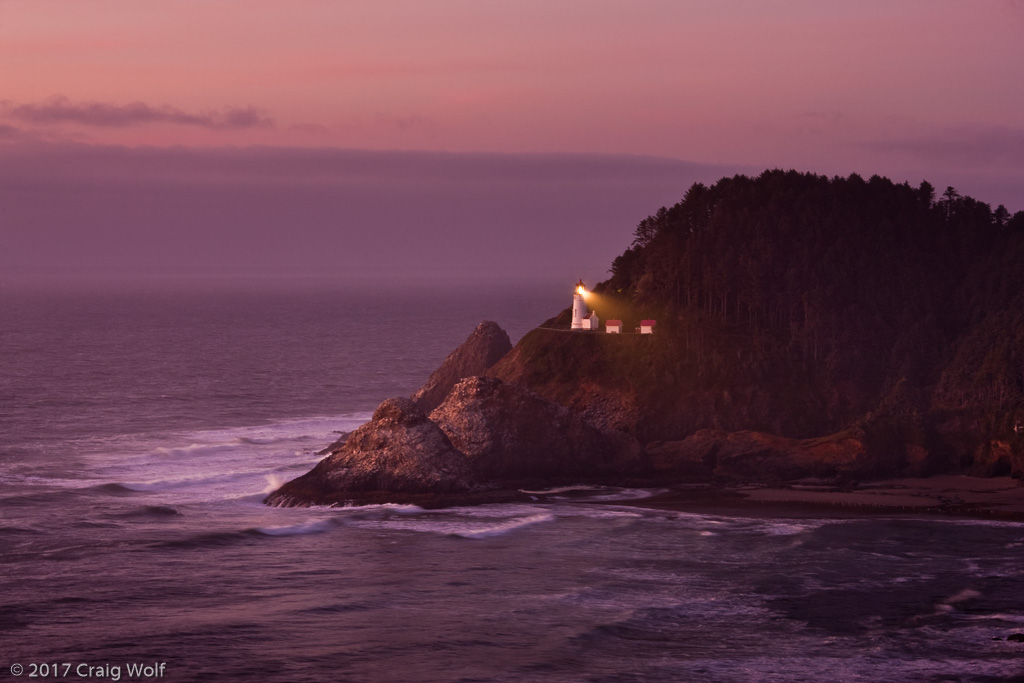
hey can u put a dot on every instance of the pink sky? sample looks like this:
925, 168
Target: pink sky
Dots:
911, 89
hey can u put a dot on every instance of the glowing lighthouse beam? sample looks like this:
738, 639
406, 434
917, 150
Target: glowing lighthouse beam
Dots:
579, 306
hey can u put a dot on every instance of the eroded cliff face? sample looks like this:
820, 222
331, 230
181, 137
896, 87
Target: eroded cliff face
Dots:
598, 408
509, 433
486, 435
754, 456
654, 388
644, 386
398, 450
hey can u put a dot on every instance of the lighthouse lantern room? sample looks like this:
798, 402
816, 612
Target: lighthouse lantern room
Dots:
579, 306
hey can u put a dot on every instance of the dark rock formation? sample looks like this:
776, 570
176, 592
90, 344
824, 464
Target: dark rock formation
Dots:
484, 347
508, 433
336, 444
688, 458
754, 456
486, 435
399, 450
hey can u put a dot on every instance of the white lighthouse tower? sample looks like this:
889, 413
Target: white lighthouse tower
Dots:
579, 307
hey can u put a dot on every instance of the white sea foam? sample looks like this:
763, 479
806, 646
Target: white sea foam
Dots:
560, 489
628, 494
274, 482
313, 526
311, 433
457, 527
506, 527
192, 450
601, 512
783, 529
222, 464
400, 508
502, 510
597, 493
963, 596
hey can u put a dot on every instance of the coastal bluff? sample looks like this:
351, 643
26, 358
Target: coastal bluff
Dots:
523, 424
485, 439
840, 330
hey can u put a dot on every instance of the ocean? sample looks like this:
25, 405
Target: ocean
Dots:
140, 427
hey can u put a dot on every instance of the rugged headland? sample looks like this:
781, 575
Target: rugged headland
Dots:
812, 332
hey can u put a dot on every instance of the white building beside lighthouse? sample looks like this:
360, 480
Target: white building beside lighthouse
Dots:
579, 306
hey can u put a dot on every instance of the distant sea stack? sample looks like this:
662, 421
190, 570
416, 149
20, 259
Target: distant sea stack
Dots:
808, 327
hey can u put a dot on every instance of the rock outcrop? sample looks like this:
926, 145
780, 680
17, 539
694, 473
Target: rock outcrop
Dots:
484, 347
399, 450
509, 433
754, 456
486, 436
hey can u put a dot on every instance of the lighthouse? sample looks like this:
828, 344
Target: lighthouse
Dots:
579, 307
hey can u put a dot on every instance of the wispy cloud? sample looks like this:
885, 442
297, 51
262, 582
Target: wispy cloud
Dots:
58, 110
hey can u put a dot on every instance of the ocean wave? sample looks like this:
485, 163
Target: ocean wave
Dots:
628, 494
502, 510
248, 498
274, 482
159, 485
584, 493
561, 489
314, 526
505, 527
791, 529
214, 539
113, 489
458, 527
603, 512
321, 430
270, 441
152, 511
192, 450
400, 508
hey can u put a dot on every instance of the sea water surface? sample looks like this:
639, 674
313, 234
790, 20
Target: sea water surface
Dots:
140, 429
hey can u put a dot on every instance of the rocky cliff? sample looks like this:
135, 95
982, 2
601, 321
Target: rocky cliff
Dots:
484, 347
808, 327
398, 450
508, 433
486, 436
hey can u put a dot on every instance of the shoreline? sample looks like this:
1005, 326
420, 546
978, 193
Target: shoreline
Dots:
996, 498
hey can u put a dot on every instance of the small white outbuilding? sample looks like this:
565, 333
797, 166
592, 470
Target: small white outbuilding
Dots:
613, 327
591, 321
647, 326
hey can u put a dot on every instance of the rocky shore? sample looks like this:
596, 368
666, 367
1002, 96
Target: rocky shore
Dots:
483, 440
999, 498
489, 424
